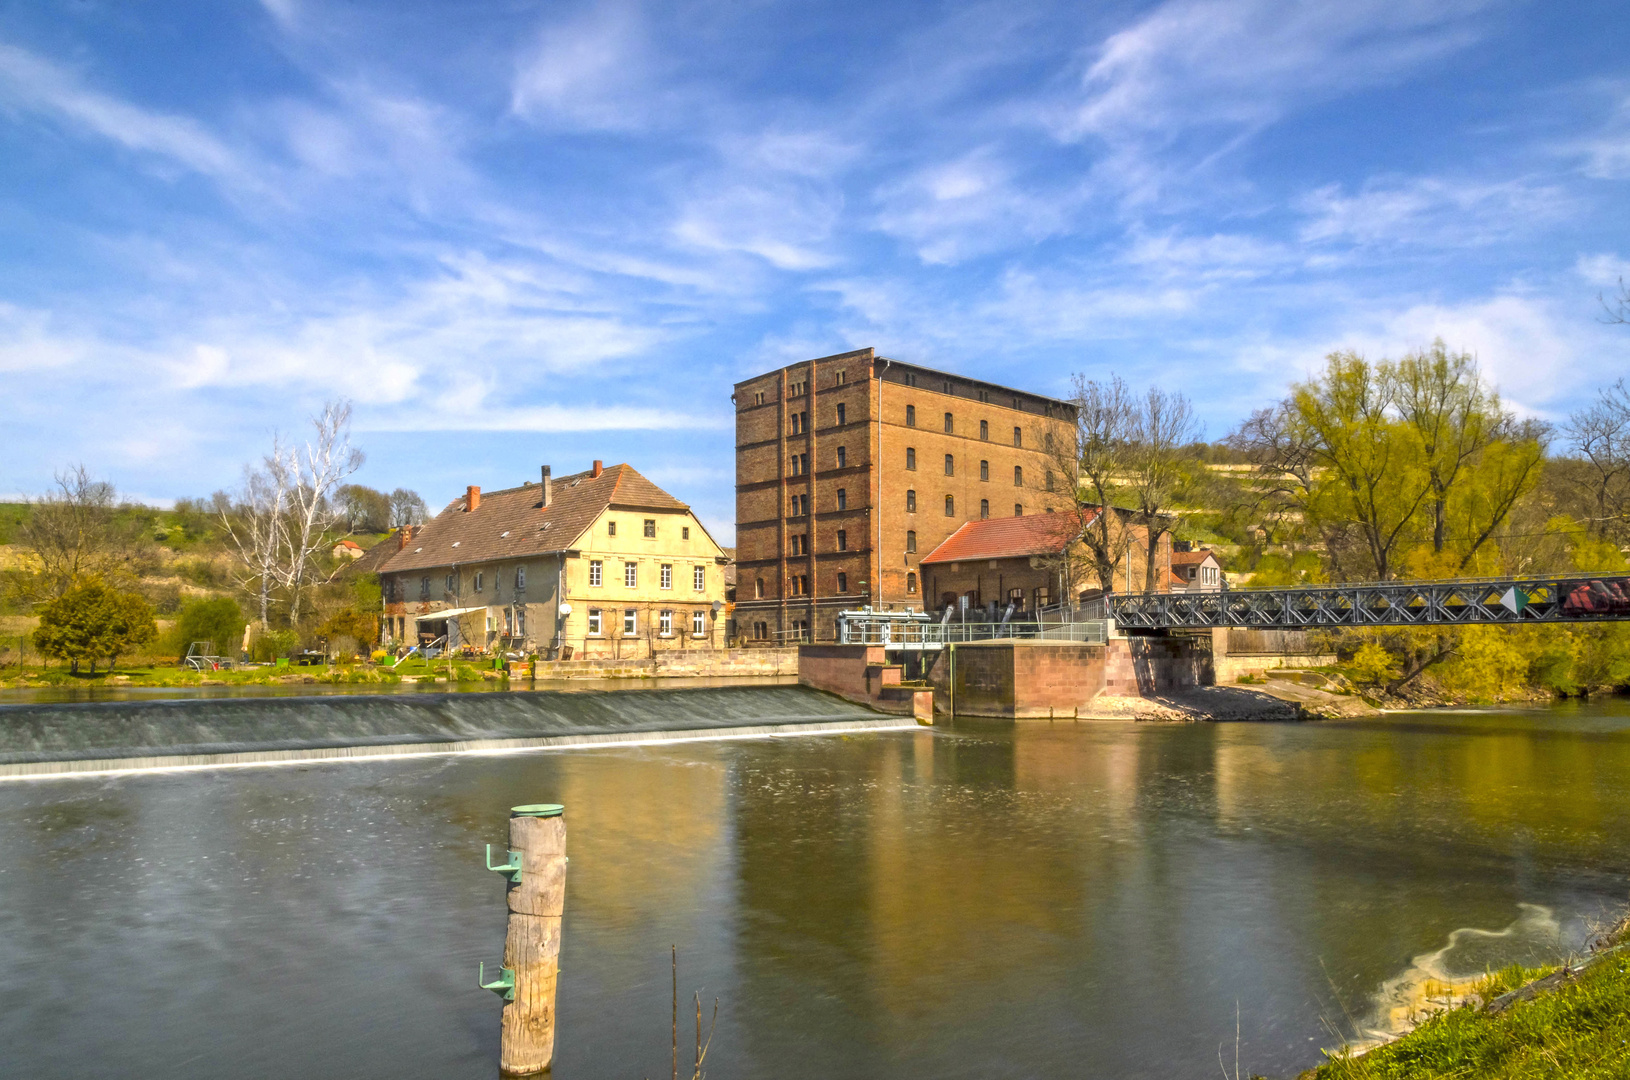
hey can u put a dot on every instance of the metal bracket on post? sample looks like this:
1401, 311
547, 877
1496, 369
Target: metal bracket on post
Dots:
504, 987
512, 868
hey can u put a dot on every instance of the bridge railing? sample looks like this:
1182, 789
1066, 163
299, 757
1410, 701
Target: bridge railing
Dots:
904, 634
1553, 599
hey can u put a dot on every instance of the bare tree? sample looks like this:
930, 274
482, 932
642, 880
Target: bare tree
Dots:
407, 508
1160, 427
76, 533
1104, 424
1618, 308
1600, 434
310, 475
256, 522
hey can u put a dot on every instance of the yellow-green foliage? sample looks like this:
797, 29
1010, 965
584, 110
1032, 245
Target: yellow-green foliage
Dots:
1580, 1031
1372, 665
1492, 662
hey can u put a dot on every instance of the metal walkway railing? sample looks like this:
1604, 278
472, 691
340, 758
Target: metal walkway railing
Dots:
907, 631
1574, 598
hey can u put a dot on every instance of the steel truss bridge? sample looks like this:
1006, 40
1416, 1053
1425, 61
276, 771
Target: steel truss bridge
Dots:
1503, 601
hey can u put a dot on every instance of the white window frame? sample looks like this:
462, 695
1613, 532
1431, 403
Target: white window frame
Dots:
666, 576
631, 575
665, 623
597, 573
699, 578
520, 578
698, 624
596, 623
477, 582
631, 622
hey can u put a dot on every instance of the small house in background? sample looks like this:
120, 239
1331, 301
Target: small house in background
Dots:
1196, 571
348, 549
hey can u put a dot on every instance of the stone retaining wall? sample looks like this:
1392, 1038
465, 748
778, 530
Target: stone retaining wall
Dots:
690, 663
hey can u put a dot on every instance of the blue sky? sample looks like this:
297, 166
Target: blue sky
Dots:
519, 233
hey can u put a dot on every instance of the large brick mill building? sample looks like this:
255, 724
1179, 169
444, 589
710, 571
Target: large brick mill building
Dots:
849, 468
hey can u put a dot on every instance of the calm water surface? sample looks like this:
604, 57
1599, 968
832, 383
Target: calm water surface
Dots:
985, 901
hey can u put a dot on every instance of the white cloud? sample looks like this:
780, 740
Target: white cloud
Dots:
543, 418
595, 72
969, 206
28, 344
1429, 210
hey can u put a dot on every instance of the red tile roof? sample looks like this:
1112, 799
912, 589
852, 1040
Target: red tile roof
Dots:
513, 523
1192, 558
1007, 538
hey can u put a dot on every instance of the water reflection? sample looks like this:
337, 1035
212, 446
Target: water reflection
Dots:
988, 900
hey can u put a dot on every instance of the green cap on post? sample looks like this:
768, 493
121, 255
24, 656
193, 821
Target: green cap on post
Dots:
545, 809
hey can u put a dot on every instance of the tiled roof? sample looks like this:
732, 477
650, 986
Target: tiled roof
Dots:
1191, 558
1007, 538
513, 524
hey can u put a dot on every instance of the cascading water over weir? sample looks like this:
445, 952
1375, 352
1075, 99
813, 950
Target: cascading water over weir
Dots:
78, 738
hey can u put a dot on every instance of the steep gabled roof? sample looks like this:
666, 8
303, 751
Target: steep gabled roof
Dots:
1192, 558
1008, 538
512, 523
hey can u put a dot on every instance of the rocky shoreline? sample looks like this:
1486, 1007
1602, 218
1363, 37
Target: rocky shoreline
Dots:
1274, 700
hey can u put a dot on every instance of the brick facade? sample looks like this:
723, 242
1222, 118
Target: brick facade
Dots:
834, 509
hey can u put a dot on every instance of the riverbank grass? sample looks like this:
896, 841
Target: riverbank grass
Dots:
1580, 1030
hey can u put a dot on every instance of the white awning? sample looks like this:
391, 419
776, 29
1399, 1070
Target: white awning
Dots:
450, 613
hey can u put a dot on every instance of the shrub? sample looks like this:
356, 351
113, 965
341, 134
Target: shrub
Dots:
219, 621
268, 645
91, 621
1371, 665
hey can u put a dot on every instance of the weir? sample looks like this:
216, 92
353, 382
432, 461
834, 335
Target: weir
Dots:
63, 739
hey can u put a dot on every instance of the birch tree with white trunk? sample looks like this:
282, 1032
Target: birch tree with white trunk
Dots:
310, 474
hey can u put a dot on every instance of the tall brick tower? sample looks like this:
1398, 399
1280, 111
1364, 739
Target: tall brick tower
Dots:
851, 467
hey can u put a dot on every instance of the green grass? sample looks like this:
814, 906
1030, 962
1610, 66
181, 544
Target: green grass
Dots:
1580, 1030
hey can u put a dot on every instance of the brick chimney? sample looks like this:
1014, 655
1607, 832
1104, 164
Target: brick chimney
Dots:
548, 488
472, 499
599, 467
403, 534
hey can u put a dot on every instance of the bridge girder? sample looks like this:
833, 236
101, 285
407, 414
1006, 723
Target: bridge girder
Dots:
1502, 601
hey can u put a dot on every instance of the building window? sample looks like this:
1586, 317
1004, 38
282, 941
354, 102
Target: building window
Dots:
950, 424
596, 627
843, 582
1018, 437
684, 532
984, 430
520, 622
800, 423
611, 528
800, 505
843, 540
758, 398
843, 458
631, 575
842, 419
761, 630
1018, 476
698, 624
667, 575
520, 578
911, 502
843, 499
1018, 509
424, 588
950, 465
911, 416
452, 583
509, 622
839, 377
479, 578
1049, 479
797, 544
665, 624
984, 509
950, 506
911, 583
651, 528
629, 624
596, 571
698, 578
911, 458
758, 589
911, 541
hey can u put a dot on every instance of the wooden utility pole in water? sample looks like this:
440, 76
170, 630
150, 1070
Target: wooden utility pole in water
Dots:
537, 901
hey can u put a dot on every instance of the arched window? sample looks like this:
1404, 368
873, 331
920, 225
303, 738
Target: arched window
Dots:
984, 429
984, 470
911, 583
911, 502
843, 499
911, 458
950, 424
1018, 510
950, 465
758, 589
984, 509
950, 506
911, 416
1018, 476
911, 541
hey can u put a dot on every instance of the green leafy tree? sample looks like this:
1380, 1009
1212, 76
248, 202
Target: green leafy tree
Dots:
91, 621
219, 621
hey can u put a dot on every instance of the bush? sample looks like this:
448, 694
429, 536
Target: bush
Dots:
1371, 665
90, 622
268, 645
219, 621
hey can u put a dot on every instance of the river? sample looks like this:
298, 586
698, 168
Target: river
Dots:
984, 900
